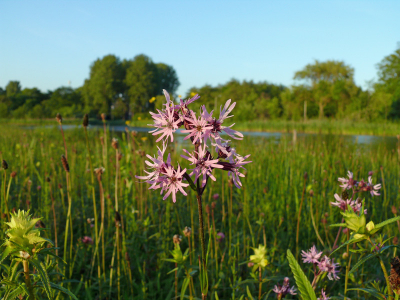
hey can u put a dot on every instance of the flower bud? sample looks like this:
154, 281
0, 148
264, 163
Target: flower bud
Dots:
4, 165
305, 176
345, 255
215, 196
394, 210
213, 205
13, 174
370, 226
207, 209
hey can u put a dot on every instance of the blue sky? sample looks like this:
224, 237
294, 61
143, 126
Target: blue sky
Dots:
46, 44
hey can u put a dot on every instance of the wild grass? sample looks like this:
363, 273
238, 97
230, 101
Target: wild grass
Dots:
139, 237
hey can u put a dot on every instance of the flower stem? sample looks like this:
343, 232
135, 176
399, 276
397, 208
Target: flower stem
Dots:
387, 278
203, 248
28, 280
298, 219
259, 283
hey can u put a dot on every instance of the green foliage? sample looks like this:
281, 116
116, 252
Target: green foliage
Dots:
303, 285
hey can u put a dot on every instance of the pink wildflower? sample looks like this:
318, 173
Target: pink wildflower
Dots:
215, 196
172, 181
220, 237
347, 183
87, 240
312, 256
285, 289
199, 127
326, 265
166, 121
323, 296
217, 123
204, 164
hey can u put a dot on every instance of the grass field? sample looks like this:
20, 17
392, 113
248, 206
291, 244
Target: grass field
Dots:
282, 177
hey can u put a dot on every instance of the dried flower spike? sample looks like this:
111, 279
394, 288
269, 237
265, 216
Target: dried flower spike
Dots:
394, 277
13, 174
187, 231
177, 239
59, 118
4, 165
85, 120
114, 143
65, 163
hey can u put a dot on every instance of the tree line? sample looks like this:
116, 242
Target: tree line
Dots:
125, 89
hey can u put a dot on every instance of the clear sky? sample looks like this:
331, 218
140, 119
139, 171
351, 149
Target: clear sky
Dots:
46, 44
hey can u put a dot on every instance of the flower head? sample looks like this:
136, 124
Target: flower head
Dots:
347, 183
172, 182
282, 291
312, 256
198, 128
220, 237
323, 296
327, 265
260, 256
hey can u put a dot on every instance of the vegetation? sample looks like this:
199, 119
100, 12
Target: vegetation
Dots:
128, 89
134, 254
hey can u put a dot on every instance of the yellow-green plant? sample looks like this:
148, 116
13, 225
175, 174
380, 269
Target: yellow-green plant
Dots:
23, 244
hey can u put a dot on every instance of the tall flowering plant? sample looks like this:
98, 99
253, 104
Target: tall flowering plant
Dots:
205, 131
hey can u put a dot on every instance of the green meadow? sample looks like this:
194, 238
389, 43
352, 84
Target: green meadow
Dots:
287, 189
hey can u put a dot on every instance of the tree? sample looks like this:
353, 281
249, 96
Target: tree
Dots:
167, 78
13, 88
323, 78
105, 84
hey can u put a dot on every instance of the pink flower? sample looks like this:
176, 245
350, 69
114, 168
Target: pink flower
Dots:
373, 189
215, 196
220, 237
235, 167
217, 124
39, 187
347, 183
157, 166
204, 164
344, 204
285, 289
166, 121
87, 240
199, 127
323, 296
183, 106
312, 256
172, 181
326, 265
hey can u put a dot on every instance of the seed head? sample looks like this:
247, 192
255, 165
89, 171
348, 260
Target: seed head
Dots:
4, 165
85, 122
117, 218
13, 174
114, 143
59, 118
213, 205
394, 210
207, 209
64, 162
187, 231
99, 172
177, 239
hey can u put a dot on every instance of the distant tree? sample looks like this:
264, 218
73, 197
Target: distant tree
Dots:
322, 77
142, 83
388, 85
105, 84
167, 78
13, 88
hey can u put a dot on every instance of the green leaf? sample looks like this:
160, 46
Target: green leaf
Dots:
5, 254
363, 260
59, 288
384, 223
302, 282
43, 275
185, 284
338, 225
372, 292
14, 293
216, 296
248, 293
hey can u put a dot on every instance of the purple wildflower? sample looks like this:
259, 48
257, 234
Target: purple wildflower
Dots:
172, 181
87, 240
373, 189
285, 289
326, 265
323, 296
220, 237
347, 183
199, 128
312, 256
344, 204
204, 164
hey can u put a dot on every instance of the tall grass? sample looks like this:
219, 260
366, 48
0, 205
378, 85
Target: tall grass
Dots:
266, 210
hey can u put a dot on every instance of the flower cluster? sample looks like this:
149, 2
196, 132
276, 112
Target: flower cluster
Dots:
284, 289
344, 202
200, 129
324, 264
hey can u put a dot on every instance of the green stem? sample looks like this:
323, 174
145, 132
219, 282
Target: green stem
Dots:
298, 219
387, 278
28, 280
203, 249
